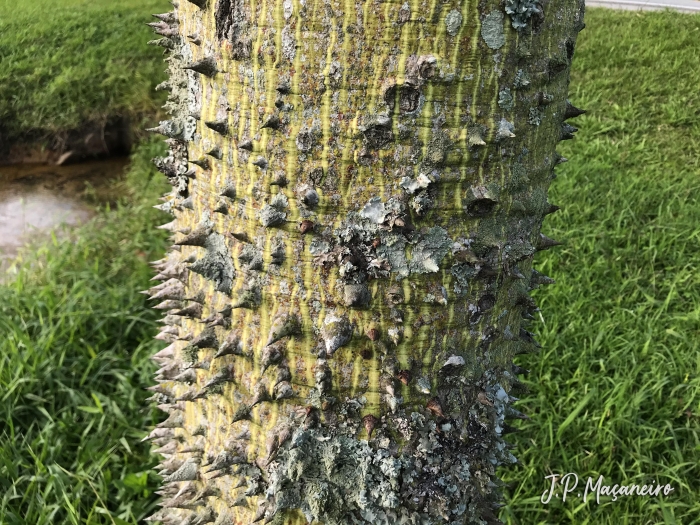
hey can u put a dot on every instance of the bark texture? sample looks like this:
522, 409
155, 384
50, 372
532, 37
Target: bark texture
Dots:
358, 192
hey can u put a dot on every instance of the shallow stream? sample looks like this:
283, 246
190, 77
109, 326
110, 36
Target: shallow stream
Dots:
36, 198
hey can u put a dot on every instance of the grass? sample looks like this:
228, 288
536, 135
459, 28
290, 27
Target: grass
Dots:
615, 389
74, 361
66, 62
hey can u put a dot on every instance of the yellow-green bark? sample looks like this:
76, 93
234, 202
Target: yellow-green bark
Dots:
353, 248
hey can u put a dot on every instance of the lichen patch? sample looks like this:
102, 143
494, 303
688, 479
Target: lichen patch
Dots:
492, 30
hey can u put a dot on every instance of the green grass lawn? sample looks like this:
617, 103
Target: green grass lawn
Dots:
614, 390
65, 62
74, 361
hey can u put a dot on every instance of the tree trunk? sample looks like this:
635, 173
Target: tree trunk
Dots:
353, 252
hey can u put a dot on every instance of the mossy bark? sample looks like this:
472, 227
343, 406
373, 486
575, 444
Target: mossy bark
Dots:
358, 192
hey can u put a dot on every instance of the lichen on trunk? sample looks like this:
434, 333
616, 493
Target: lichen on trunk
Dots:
352, 253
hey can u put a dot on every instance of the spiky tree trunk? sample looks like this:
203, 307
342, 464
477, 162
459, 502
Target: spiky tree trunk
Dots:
358, 195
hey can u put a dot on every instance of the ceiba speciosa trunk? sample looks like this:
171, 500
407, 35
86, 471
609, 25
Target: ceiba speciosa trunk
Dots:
358, 192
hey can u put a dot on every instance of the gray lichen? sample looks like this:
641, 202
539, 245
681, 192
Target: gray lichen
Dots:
423, 385
505, 99
422, 202
436, 152
413, 185
430, 250
463, 273
521, 79
288, 43
337, 479
393, 249
492, 30
370, 228
374, 210
520, 11
305, 140
535, 116
280, 201
453, 21
505, 130
216, 265
319, 246
404, 13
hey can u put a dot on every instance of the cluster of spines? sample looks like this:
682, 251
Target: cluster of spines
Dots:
188, 474
187, 482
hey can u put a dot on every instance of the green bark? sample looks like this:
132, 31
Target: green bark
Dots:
353, 253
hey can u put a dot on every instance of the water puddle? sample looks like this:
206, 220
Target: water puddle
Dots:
36, 198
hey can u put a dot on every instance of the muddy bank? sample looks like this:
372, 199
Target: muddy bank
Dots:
36, 198
112, 137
